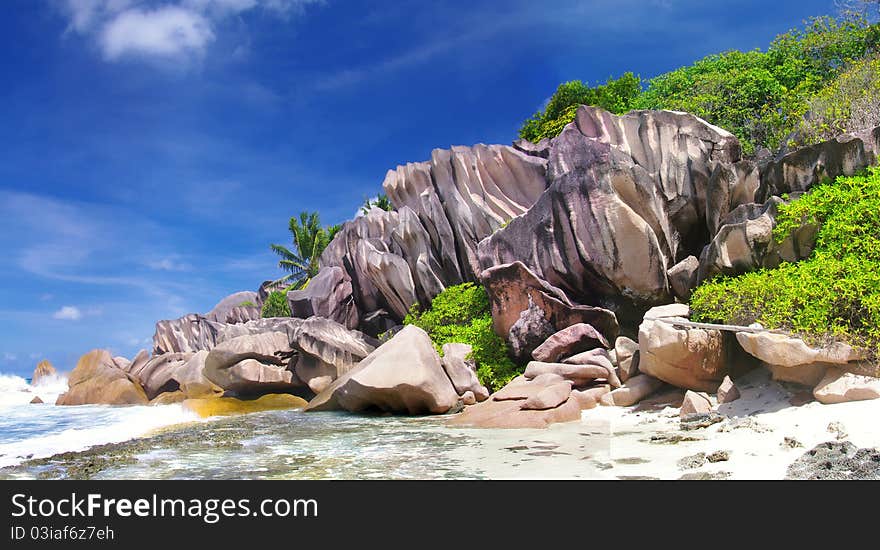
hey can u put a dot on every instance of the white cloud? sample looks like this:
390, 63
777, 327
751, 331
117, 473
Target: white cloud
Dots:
165, 32
9, 356
68, 313
182, 29
169, 264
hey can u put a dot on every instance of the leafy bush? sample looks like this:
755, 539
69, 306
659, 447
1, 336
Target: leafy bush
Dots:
461, 314
761, 97
247, 303
276, 305
616, 96
835, 293
851, 102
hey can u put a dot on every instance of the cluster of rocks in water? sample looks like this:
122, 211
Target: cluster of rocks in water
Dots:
587, 245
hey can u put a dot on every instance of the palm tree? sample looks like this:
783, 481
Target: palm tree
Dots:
309, 240
381, 201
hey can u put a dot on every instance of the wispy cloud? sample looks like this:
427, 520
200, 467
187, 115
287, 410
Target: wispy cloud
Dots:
178, 30
68, 313
170, 263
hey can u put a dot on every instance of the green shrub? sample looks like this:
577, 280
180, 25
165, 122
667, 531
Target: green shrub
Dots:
616, 96
761, 97
835, 293
461, 314
248, 303
276, 305
851, 102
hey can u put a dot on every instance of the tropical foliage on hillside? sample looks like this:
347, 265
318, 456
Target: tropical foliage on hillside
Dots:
835, 292
763, 97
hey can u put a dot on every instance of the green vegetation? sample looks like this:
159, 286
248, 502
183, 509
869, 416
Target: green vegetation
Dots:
381, 201
309, 241
247, 303
616, 95
761, 97
849, 103
461, 314
276, 305
835, 293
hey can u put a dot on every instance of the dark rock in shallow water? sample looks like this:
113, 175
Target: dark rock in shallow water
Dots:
836, 460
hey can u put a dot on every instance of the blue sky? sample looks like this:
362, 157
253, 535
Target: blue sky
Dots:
151, 150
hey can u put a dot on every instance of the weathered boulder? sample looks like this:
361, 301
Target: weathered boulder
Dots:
569, 341
588, 398
802, 168
744, 242
191, 379
690, 358
597, 357
627, 358
328, 295
462, 195
511, 415
96, 379
528, 332
695, 403
379, 382
524, 403
36, 401
43, 370
790, 351
548, 398
683, 277
252, 364
626, 202
156, 374
462, 370
635, 389
727, 391
579, 374
839, 386
240, 307
190, 333
513, 288
326, 351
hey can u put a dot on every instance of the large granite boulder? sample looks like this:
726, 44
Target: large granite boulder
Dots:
462, 370
686, 357
443, 208
524, 403
326, 351
42, 371
189, 333
744, 242
404, 375
627, 201
839, 386
328, 295
570, 341
804, 167
240, 307
98, 380
252, 364
514, 289
156, 374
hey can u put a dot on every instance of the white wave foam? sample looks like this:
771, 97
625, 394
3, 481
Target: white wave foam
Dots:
15, 391
42, 431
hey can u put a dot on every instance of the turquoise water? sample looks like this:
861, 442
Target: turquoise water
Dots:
168, 442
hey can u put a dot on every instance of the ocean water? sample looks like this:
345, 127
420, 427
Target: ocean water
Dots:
41, 430
169, 442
